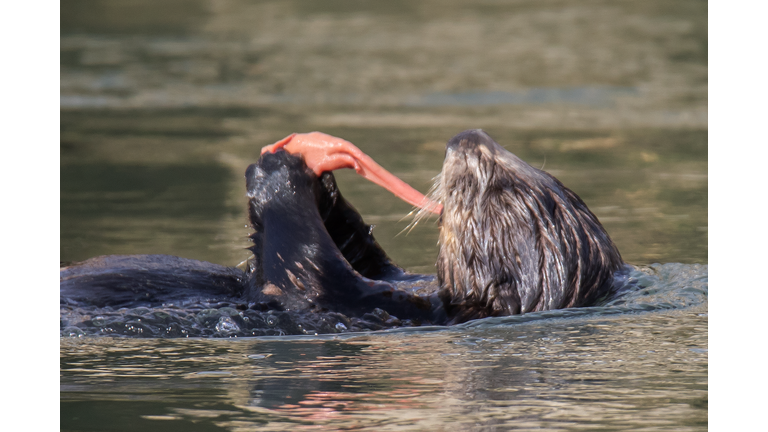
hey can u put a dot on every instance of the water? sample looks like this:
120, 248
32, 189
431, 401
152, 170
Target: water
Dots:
639, 363
631, 372
163, 106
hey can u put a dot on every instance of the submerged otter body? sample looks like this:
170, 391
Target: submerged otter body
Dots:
513, 240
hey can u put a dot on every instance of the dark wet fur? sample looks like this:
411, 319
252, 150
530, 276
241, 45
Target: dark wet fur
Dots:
139, 280
513, 239
312, 250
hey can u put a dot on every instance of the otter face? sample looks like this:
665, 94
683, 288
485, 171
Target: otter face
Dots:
513, 239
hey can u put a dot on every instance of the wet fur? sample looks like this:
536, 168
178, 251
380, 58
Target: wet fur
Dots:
312, 251
513, 239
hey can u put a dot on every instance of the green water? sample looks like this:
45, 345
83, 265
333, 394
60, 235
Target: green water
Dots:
164, 105
637, 372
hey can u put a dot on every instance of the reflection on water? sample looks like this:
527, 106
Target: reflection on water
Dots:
563, 374
639, 360
164, 105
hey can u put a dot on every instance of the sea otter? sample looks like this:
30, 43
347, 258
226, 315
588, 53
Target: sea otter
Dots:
513, 240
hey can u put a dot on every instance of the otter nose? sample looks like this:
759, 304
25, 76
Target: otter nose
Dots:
469, 139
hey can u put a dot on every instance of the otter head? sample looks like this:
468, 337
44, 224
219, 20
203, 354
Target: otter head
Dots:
513, 239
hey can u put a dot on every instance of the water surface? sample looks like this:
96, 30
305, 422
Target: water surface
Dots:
164, 105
